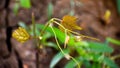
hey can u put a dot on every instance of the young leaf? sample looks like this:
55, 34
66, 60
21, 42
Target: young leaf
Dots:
69, 22
58, 57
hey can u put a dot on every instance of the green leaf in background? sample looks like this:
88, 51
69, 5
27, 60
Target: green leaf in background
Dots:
72, 4
25, 4
58, 57
22, 24
110, 63
15, 8
118, 6
100, 47
50, 10
113, 41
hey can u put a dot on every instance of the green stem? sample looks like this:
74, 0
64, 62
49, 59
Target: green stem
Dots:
39, 44
34, 27
79, 64
35, 40
62, 50
57, 40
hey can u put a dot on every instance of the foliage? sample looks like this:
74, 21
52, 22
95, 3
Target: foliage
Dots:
88, 53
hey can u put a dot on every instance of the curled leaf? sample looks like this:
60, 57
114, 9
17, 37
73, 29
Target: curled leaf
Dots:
69, 22
20, 35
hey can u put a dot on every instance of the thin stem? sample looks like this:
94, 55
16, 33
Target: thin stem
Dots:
59, 25
57, 19
76, 32
62, 50
84, 35
46, 25
115, 57
75, 61
57, 40
33, 23
39, 44
35, 40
